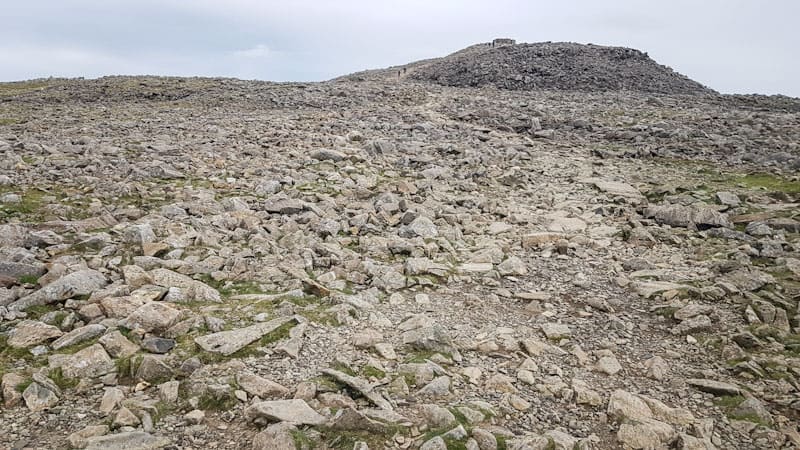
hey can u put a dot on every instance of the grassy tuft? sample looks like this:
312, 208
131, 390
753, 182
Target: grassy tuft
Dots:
24, 385
60, 380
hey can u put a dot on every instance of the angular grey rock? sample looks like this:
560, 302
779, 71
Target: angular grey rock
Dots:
624, 405
9, 387
80, 438
29, 333
78, 335
229, 342
713, 387
194, 290
693, 325
435, 443
152, 316
437, 416
157, 345
566, 225
154, 368
619, 189
90, 362
111, 398
39, 397
434, 338
284, 205
132, 440
139, 234
276, 436
260, 387
512, 266
328, 155
702, 217
364, 387
17, 270
645, 433
556, 330
295, 411
727, 198
421, 227
752, 407
439, 387
117, 345
82, 282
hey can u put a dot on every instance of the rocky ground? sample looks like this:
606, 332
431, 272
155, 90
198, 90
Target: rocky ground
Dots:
545, 65
221, 264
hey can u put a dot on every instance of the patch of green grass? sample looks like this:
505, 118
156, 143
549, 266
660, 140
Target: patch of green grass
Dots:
455, 444
163, 409
326, 383
344, 368
667, 312
319, 315
37, 311
461, 418
126, 368
305, 301
79, 346
735, 361
125, 331
24, 385
727, 402
210, 402
301, 440
8, 353
769, 182
21, 87
346, 440
60, 380
28, 208
764, 331
240, 288
8, 121
502, 443
279, 334
419, 356
369, 371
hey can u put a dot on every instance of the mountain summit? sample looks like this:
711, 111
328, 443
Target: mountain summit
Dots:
548, 66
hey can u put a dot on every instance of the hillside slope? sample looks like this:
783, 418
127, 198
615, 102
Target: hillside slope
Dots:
547, 65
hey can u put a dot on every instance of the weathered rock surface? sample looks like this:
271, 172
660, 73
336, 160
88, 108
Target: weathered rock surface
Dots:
382, 261
293, 411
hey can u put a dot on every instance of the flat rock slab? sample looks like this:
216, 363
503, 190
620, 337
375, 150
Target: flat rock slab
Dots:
134, 440
714, 387
31, 332
363, 386
196, 290
79, 335
618, 189
229, 342
648, 289
702, 217
259, 386
82, 282
566, 225
90, 362
294, 411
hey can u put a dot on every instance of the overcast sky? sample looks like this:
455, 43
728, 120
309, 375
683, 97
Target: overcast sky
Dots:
729, 45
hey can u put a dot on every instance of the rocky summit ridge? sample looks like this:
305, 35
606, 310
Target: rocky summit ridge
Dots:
392, 262
547, 66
